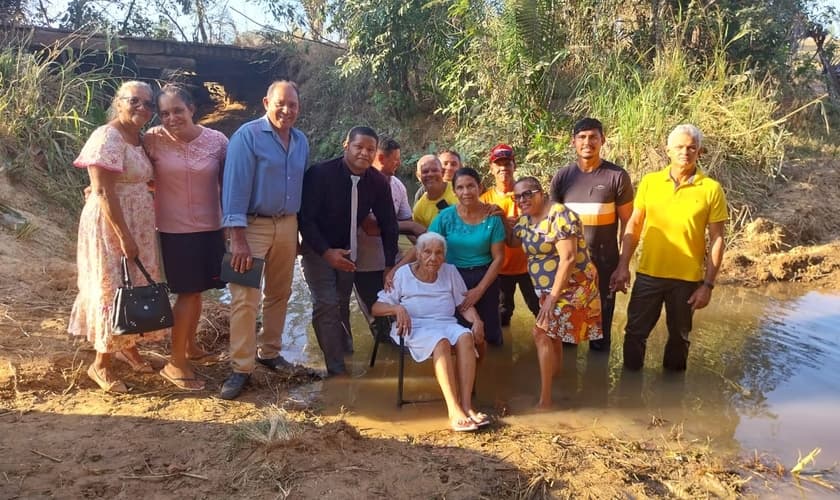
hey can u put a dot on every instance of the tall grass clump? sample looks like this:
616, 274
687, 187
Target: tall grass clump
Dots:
50, 100
737, 111
530, 78
274, 428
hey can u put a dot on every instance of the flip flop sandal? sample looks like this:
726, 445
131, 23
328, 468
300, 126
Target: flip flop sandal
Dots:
464, 425
206, 358
113, 386
480, 419
144, 367
181, 383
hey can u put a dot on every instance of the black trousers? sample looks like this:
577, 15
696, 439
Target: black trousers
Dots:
605, 270
369, 284
643, 311
507, 287
488, 306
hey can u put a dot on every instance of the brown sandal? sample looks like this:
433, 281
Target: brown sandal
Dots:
112, 386
204, 359
182, 382
142, 367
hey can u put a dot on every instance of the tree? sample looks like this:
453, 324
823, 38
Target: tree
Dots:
11, 11
205, 21
402, 45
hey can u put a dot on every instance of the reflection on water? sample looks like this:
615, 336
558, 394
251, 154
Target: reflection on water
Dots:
762, 375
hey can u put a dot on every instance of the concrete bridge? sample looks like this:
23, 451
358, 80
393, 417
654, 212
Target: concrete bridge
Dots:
243, 72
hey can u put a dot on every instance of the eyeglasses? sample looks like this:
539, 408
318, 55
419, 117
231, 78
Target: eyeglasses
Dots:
135, 102
526, 195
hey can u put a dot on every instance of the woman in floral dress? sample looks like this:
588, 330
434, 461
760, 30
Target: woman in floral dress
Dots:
118, 219
564, 278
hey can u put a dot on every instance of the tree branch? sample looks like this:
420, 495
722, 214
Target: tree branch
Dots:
124, 25
177, 26
326, 43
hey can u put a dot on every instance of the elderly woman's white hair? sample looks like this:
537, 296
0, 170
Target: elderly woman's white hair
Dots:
428, 238
689, 130
120, 93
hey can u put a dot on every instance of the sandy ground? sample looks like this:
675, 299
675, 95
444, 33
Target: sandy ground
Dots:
795, 234
62, 437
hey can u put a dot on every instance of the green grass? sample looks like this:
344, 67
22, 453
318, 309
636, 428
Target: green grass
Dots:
50, 100
640, 95
737, 113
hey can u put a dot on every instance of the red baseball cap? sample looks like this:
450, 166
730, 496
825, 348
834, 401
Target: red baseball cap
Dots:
501, 151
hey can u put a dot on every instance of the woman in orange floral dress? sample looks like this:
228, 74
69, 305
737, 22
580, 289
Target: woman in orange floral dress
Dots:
118, 219
564, 278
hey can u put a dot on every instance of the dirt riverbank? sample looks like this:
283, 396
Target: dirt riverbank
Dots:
794, 235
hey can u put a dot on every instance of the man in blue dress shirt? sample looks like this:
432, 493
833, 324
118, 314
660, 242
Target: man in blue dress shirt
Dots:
261, 197
333, 191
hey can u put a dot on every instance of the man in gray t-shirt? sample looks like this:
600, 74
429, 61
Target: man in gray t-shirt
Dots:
370, 262
601, 193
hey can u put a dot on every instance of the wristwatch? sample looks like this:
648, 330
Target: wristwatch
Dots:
709, 284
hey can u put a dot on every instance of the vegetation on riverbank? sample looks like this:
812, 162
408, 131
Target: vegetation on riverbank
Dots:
522, 71
466, 74
50, 100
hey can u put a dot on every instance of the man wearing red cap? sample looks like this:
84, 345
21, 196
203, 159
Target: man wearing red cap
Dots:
515, 266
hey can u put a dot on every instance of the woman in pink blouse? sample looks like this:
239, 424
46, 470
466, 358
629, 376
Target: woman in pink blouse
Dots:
187, 160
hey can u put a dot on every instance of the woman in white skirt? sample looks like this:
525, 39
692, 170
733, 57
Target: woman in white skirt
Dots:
423, 299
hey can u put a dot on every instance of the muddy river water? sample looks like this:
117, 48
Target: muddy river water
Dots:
763, 374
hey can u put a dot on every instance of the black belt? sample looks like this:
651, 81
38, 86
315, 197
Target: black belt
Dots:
475, 268
268, 216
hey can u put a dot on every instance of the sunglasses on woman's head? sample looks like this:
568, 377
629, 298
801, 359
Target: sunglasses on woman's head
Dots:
135, 102
526, 195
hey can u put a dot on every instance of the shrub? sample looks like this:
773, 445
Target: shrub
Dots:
48, 106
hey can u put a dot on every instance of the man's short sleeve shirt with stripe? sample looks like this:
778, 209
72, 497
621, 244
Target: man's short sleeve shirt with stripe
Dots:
594, 196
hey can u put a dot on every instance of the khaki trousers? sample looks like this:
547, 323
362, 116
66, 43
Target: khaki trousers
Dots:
275, 240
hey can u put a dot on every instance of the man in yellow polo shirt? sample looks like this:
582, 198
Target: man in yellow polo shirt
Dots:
438, 195
514, 268
672, 211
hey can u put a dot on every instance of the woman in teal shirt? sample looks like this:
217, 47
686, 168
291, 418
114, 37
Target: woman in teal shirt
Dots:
475, 238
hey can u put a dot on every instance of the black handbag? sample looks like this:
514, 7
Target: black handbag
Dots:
140, 309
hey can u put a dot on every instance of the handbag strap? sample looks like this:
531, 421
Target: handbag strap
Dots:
143, 270
127, 277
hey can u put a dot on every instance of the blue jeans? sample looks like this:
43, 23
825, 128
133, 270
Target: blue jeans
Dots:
330, 290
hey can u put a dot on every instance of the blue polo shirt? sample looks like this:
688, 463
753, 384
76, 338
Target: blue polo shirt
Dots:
261, 176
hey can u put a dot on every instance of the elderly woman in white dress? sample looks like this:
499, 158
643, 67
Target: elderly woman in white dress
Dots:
424, 298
